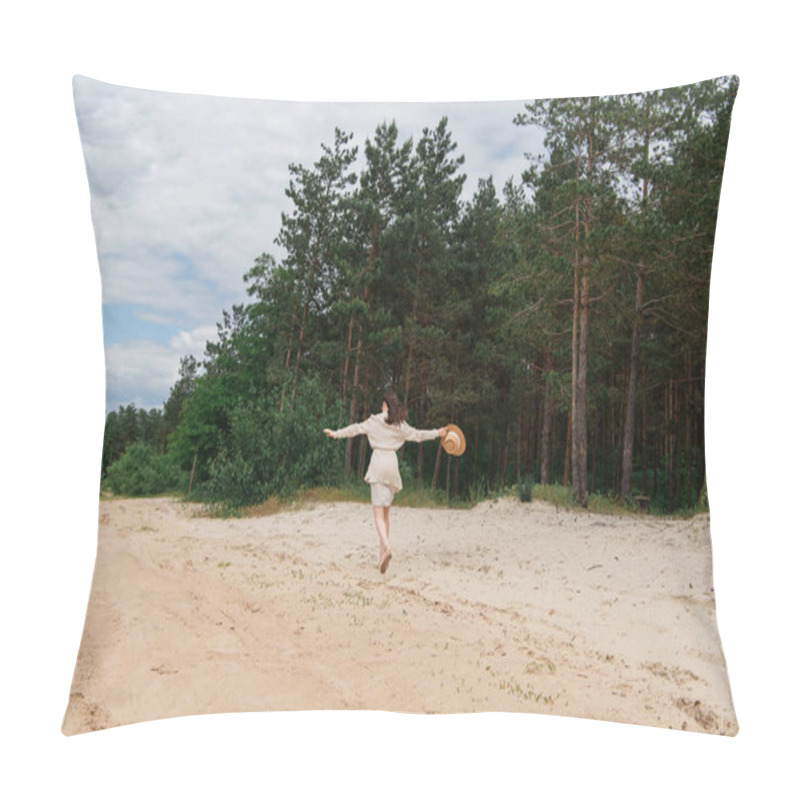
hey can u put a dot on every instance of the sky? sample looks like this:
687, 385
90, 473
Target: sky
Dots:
187, 191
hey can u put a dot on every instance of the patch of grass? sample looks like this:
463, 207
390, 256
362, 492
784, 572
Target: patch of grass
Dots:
356, 490
348, 492
107, 494
358, 598
425, 497
598, 503
269, 507
514, 688
559, 496
272, 505
352, 491
603, 504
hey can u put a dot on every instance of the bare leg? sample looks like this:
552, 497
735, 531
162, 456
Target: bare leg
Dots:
383, 528
381, 514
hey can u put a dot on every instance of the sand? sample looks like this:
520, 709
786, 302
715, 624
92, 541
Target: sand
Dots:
505, 607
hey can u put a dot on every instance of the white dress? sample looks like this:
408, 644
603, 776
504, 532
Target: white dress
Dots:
385, 440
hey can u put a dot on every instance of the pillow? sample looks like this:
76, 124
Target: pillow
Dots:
536, 274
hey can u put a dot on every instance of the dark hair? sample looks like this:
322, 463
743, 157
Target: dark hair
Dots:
397, 412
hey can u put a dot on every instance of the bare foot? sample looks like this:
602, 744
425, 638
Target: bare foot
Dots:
386, 557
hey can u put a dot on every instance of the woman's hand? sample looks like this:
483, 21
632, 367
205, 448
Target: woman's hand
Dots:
329, 432
442, 432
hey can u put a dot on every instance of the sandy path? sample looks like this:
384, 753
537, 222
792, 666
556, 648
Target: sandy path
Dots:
507, 607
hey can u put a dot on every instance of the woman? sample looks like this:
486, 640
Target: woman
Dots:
387, 432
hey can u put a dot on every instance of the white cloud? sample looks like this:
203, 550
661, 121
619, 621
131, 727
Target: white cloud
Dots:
193, 342
188, 190
206, 176
143, 371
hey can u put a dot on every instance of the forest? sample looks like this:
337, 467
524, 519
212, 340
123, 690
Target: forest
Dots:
560, 320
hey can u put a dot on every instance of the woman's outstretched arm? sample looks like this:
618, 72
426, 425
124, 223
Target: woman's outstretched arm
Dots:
416, 435
345, 433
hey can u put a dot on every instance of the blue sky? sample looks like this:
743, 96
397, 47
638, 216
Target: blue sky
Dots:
187, 190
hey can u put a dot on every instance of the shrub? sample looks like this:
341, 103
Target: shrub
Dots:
233, 482
143, 471
275, 447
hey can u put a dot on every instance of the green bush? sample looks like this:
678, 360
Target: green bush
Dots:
233, 482
143, 471
276, 447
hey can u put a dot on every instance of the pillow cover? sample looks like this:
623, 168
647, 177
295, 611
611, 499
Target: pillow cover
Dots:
536, 273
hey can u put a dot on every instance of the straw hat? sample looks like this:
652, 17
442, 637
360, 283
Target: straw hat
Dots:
454, 442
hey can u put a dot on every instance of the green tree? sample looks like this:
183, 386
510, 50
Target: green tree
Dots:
579, 136
180, 392
378, 238
311, 236
436, 216
204, 421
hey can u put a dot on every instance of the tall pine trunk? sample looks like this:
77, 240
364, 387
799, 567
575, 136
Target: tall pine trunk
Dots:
579, 427
348, 455
581, 311
474, 461
547, 423
630, 415
437, 466
630, 412
576, 306
421, 425
645, 477
359, 348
